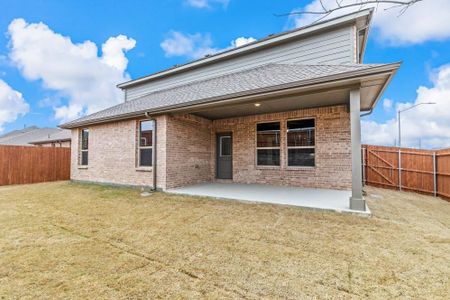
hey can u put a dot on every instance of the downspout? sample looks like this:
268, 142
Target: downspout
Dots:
153, 151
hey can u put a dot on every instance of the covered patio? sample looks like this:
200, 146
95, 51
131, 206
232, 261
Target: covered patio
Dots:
250, 137
322, 199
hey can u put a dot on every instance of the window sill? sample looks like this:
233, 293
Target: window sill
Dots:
144, 169
268, 167
82, 167
300, 168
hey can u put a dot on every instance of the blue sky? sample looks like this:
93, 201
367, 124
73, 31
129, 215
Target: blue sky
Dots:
191, 28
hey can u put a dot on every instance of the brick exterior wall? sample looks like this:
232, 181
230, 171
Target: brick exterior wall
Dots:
186, 151
112, 155
333, 149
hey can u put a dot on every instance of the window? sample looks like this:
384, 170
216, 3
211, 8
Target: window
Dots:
225, 146
301, 143
84, 146
268, 144
145, 144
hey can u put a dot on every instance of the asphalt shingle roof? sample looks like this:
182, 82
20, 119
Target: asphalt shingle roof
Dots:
60, 135
24, 137
266, 76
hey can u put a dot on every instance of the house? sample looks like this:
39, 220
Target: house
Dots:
35, 136
60, 138
284, 110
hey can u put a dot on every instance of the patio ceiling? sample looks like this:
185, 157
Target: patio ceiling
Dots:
277, 104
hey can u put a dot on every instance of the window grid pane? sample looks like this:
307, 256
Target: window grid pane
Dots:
225, 146
85, 139
84, 158
301, 157
268, 157
146, 134
145, 157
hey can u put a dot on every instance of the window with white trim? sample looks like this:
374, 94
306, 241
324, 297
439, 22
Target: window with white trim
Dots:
301, 143
145, 144
268, 144
84, 149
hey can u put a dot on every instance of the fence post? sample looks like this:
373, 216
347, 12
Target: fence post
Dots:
399, 169
434, 174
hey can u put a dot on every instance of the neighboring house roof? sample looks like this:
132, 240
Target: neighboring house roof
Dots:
60, 136
25, 137
260, 79
17, 132
364, 16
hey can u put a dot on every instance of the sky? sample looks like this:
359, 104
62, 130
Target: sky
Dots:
60, 60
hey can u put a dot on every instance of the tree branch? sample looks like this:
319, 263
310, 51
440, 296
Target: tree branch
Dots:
325, 12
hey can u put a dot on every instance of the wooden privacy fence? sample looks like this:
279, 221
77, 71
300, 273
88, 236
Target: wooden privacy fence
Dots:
424, 171
23, 164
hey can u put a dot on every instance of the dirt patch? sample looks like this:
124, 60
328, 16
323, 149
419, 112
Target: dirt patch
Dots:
62, 240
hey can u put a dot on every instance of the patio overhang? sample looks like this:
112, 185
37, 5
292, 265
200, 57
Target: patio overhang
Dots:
301, 96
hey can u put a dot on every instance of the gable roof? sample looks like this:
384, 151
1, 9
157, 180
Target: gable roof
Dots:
25, 137
57, 136
271, 40
260, 79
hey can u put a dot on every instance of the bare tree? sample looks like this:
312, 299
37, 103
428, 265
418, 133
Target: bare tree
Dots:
360, 4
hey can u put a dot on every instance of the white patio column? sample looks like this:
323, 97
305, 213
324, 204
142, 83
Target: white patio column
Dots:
356, 200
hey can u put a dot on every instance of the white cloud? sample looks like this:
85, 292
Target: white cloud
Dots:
428, 123
241, 41
387, 104
206, 3
196, 45
423, 21
73, 70
12, 104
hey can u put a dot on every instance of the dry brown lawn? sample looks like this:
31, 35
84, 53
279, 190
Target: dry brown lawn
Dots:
63, 240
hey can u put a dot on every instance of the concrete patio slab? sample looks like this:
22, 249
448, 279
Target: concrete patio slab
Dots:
324, 199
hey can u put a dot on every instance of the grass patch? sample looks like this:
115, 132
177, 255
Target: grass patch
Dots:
64, 240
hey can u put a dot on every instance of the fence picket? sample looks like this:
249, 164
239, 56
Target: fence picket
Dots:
423, 171
23, 164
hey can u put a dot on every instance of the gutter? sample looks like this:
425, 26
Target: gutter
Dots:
337, 78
